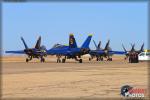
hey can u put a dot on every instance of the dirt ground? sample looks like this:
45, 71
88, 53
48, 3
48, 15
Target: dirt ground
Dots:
90, 79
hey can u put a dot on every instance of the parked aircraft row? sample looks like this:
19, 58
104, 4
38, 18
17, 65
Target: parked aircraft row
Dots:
133, 50
72, 51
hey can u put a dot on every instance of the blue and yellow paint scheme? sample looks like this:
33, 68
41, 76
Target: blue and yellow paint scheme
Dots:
71, 51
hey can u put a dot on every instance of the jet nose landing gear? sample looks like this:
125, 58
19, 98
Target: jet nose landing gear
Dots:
109, 59
58, 58
80, 60
27, 60
63, 60
42, 59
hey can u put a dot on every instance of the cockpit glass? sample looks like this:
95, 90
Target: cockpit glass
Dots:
57, 46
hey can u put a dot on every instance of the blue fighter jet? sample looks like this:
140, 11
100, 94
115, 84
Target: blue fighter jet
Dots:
100, 53
132, 50
71, 51
37, 52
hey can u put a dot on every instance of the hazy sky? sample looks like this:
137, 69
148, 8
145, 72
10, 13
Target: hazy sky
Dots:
120, 22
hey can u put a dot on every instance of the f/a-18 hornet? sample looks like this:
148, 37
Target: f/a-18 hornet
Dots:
132, 50
37, 52
101, 53
72, 51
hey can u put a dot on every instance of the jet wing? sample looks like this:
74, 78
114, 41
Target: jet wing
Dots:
96, 52
110, 52
117, 52
16, 52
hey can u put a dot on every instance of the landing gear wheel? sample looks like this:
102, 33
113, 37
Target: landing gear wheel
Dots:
58, 61
89, 59
110, 59
97, 59
42, 60
63, 60
27, 60
80, 61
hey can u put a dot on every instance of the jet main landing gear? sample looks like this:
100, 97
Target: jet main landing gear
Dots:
63, 60
109, 59
42, 59
58, 58
80, 60
29, 58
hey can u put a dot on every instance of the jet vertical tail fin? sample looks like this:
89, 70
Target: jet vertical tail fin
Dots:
26, 47
38, 43
99, 45
87, 42
132, 45
142, 47
107, 45
124, 48
95, 45
72, 41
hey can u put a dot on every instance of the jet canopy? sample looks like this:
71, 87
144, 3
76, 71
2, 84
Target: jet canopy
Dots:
58, 46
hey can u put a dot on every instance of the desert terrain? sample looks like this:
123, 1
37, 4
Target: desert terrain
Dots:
90, 79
